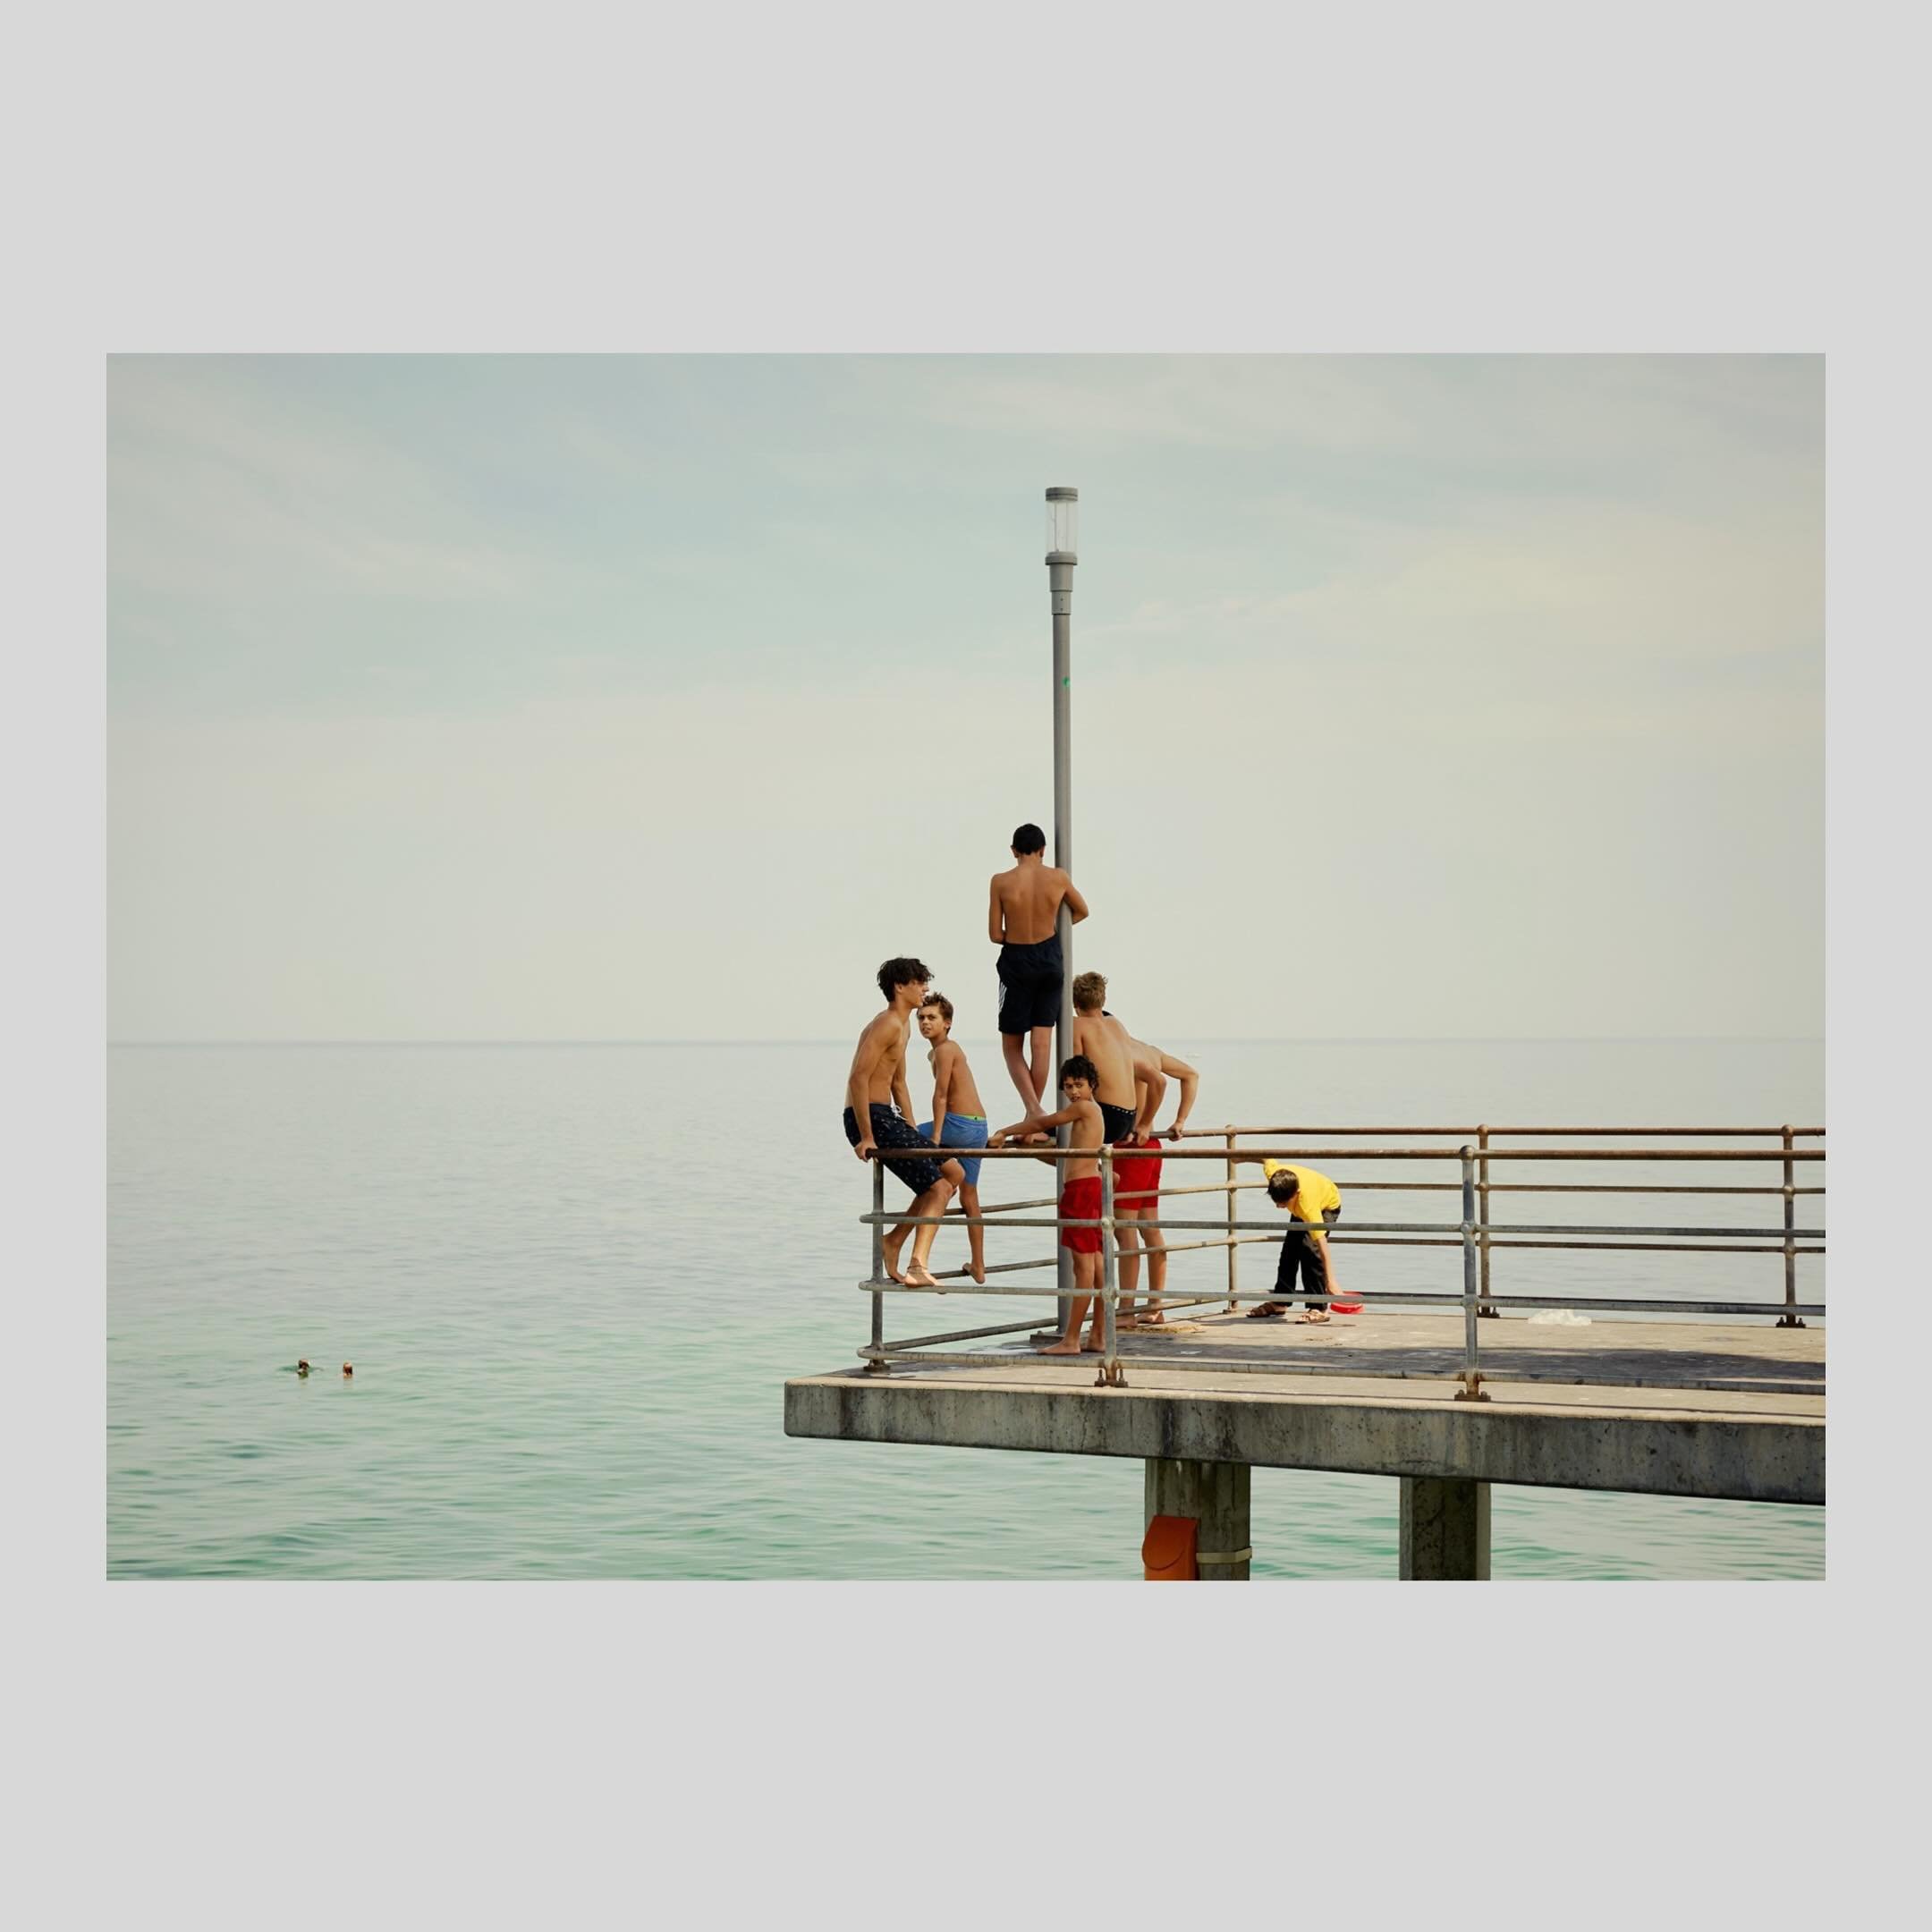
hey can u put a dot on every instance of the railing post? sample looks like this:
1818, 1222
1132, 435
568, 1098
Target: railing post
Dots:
1110, 1370
1788, 1319
876, 1365
1233, 1263
1487, 1307
1471, 1379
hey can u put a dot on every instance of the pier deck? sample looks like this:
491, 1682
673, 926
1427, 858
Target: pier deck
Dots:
1721, 1409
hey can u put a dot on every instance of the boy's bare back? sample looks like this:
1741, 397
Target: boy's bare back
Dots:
948, 1060
1026, 902
1106, 1042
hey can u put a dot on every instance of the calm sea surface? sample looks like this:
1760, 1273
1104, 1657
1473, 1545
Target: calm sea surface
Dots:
571, 1298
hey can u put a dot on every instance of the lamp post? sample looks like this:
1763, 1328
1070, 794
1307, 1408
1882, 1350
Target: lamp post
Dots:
1063, 543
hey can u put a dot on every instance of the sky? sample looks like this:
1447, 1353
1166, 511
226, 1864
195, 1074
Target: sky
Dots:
663, 697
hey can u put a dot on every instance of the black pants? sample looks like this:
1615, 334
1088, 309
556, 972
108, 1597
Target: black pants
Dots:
1304, 1254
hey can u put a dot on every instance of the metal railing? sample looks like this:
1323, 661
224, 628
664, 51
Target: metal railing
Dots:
1474, 1234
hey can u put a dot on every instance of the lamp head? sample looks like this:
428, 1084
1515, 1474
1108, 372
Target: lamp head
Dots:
1063, 525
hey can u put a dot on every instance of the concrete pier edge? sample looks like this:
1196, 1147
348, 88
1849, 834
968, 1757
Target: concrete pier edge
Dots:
1746, 1457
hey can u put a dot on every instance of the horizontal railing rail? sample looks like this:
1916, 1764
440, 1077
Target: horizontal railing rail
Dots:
1602, 1133
1475, 1232
1057, 1155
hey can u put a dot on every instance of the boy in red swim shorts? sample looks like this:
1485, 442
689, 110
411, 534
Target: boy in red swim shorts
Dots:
1079, 1197
1139, 1180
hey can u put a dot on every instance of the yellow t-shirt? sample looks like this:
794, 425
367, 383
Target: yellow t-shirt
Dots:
1318, 1191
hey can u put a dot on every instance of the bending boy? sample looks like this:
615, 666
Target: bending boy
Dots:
1080, 1199
878, 1114
957, 1113
1311, 1197
1023, 921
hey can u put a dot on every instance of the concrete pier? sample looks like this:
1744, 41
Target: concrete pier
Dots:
1704, 1410
1216, 1495
1445, 1530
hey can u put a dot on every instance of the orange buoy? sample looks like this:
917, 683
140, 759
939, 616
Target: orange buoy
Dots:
1167, 1550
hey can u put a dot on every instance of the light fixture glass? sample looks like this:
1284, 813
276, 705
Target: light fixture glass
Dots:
1062, 523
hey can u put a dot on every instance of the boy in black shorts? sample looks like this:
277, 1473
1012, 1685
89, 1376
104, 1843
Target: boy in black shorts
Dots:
1313, 1199
1023, 921
878, 1116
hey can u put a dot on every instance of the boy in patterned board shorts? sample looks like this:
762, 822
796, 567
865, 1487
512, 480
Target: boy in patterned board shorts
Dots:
878, 1117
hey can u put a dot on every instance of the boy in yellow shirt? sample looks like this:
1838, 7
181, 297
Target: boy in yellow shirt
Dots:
1309, 1196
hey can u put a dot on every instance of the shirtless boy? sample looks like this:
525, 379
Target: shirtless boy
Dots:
1137, 1181
1080, 1198
957, 1114
1127, 1104
1023, 921
1156, 1067
878, 1114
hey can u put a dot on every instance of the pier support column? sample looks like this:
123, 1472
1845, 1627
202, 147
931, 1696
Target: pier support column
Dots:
1216, 1495
1445, 1530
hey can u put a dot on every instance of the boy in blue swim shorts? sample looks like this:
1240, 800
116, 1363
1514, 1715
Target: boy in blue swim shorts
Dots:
957, 1110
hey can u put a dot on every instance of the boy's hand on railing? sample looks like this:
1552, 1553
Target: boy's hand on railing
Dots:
867, 1147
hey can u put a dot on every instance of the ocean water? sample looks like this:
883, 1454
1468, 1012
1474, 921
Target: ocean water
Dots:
571, 1296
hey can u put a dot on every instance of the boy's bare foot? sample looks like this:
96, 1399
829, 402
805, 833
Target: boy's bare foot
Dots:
977, 1269
1063, 1347
1092, 1347
918, 1275
1313, 1315
1153, 1318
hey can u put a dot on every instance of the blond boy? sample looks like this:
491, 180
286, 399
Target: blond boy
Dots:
1128, 1096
